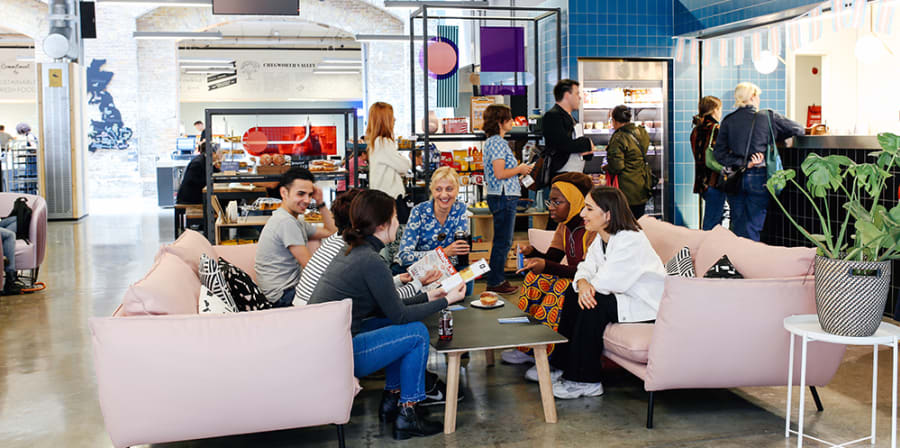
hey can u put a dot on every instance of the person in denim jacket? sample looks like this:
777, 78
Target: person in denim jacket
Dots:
748, 207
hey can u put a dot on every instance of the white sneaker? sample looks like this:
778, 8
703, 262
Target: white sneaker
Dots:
566, 390
532, 375
516, 356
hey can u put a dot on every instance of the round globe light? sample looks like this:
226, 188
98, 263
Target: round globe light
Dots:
869, 49
56, 45
766, 63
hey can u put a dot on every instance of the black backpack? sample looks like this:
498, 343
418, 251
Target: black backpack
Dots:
22, 212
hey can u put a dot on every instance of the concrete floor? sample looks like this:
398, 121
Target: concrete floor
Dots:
48, 395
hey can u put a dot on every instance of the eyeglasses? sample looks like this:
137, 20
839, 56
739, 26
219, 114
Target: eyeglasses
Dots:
552, 204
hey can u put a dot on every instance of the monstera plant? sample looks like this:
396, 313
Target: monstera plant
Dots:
853, 268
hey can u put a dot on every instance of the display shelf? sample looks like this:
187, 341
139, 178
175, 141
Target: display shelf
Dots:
352, 150
20, 172
478, 136
631, 105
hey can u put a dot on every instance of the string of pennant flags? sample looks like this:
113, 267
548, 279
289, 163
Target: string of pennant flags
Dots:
845, 14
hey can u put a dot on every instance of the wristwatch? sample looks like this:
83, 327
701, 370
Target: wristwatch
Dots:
319, 206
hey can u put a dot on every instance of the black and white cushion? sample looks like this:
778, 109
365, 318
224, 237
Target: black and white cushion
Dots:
244, 291
213, 304
723, 269
214, 288
681, 264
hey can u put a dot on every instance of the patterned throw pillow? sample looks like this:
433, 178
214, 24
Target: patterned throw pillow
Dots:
681, 264
211, 303
213, 287
244, 291
723, 269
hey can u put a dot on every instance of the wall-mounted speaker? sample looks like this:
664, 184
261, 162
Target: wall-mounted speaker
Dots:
88, 21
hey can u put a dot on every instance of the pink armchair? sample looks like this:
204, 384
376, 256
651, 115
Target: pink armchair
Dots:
714, 333
30, 254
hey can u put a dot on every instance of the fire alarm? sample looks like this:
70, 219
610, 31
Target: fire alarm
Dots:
815, 70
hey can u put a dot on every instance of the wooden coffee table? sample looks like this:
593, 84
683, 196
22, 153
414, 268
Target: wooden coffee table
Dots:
476, 329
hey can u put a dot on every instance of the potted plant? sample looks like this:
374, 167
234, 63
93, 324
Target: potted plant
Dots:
853, 263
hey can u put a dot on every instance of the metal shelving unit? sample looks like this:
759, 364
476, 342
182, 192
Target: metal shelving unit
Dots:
533, 15
20, 173
350, 120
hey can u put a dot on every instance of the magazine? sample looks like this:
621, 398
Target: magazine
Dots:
450, 278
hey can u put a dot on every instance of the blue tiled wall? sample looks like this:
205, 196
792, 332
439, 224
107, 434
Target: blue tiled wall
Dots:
549, 73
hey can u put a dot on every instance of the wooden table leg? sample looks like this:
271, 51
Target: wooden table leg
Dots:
543, 369
489, 358
452, 392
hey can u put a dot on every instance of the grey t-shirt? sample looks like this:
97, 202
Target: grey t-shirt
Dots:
276, 267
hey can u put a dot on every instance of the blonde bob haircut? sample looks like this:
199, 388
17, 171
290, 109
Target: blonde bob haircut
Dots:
744, 92
445, 173
381, 123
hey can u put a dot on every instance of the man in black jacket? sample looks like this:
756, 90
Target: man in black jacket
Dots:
563, 146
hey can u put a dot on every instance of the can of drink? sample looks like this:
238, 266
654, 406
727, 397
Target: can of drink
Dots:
462, 235
445, 325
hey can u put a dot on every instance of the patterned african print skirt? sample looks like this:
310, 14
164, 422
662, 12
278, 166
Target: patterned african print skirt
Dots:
542, 297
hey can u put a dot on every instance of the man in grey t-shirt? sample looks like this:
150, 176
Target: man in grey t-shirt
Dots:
5, 138
282, 252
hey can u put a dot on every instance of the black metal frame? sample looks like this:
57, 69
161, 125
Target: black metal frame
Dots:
422, 14
812, 390
207, 134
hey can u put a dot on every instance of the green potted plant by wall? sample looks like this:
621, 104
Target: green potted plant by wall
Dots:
853, 259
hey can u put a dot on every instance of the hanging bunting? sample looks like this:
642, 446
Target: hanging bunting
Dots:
695, 51
815, 30
774, 41
794, 28
679, 49
723, 52
755, 45
860, 13
707, 52
884, 16
739, 50
837, 9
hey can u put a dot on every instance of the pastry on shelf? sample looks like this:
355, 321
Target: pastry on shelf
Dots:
313, 217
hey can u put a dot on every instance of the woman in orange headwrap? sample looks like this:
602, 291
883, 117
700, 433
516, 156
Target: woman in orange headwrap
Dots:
547, 279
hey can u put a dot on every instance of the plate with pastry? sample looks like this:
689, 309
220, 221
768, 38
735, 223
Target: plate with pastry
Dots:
488, 300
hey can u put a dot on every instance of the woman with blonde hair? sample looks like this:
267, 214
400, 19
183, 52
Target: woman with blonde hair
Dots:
433, 223
744, 137
706, 128
386, 165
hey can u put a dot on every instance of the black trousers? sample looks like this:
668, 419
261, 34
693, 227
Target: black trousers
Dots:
580, 359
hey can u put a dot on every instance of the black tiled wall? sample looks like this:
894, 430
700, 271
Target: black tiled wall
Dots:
779, 231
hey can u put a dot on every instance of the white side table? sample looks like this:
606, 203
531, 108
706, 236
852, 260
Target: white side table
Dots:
807, 327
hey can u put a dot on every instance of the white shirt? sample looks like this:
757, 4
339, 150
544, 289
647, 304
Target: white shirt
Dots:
629, 269
387, 167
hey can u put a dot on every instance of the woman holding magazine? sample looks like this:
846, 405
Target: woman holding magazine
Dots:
432, 224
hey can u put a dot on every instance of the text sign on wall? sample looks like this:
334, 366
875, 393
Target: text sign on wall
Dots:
17, 79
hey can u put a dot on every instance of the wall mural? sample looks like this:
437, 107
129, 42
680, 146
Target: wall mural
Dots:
109, 132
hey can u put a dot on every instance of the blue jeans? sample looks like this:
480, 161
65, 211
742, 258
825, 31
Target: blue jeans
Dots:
8, 234
748, 208
287, 299
504, 210
713, 207
402, 350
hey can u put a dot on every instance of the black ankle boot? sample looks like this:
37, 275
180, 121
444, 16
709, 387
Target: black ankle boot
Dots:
390, 406
11, 285
412, 423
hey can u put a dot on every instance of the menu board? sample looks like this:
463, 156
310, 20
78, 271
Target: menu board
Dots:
478, 105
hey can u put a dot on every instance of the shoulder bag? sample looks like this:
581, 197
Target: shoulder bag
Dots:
731, 178
773, 158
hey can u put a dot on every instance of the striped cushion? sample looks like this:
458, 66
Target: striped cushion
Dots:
215, 297
315, 268
681, 264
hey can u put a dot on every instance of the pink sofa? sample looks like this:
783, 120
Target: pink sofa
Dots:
30, 254
166, 373
715, 333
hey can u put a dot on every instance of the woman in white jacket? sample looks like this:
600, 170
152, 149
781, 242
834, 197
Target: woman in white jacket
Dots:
620, 280
386, 165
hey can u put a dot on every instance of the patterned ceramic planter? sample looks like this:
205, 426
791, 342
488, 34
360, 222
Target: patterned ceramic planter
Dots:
850, 295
